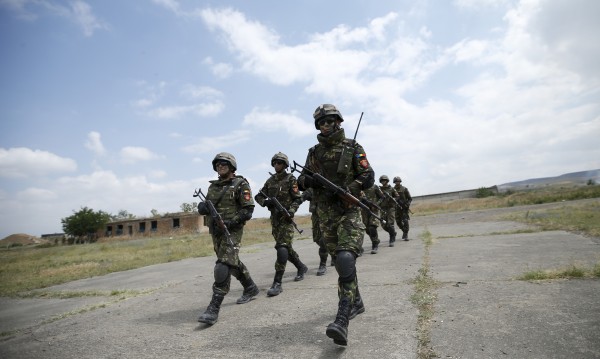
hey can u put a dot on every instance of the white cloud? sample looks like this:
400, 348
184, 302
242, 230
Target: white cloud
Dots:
36, 195
132, 154
80, 12
24, 162
175, 112
192, 100
94, 143
270, 121
216, 143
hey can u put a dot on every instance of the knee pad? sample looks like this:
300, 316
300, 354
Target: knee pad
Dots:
345, 264
221, 272
282, 255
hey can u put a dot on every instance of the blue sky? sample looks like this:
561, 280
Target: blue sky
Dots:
122, 105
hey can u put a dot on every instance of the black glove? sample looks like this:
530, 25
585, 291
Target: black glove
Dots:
203, 208
310, 182
269, 203
232, 223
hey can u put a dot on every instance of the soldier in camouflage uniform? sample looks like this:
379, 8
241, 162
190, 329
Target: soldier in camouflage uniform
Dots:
373, 196
316, 232
232, 198
343, 162
284, 187
404, 201
389, 206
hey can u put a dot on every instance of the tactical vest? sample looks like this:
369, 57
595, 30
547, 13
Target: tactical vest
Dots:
225, 196
400, 189
279, 187
335, 162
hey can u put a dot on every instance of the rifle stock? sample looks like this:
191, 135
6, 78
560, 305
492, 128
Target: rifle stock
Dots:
215, 215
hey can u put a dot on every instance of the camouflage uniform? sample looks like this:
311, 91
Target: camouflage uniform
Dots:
284, 187
340, 222
402, 214
232, 198
316, 232
389, 206
373, 195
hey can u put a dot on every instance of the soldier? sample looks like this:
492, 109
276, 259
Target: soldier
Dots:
232, 198
404, 201
316, 232
283, 187
371, 197
344, 163
388, 204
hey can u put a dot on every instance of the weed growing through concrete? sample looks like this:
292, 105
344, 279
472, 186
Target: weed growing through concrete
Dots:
573, 271
424, 298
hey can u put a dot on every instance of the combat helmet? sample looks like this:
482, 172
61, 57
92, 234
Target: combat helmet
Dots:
282, 157
384, 178
326, 110
224, 156
397, 179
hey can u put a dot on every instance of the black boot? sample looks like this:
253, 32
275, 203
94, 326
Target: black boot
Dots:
358, 307
375, 248
392, 239
276, 287
211, 314
405, 236
250, 291
322, 268
301, 270
338, 330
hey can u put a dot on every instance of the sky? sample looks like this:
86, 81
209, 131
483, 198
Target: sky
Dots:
122, 105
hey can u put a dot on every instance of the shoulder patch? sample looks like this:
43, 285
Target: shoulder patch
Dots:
362, 160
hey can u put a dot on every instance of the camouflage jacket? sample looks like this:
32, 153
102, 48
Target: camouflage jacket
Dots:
284, 187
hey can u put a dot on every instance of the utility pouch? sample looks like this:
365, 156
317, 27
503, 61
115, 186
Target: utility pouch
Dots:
345, 163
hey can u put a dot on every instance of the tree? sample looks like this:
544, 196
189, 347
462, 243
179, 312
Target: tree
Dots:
188, 207
123, 214
84, 224
154, 212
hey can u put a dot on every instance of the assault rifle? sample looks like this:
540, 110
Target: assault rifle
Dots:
344, 194
281, 209
217, 219
370, 203
404, 205
399, 202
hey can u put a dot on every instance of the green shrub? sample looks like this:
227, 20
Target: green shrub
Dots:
483, 192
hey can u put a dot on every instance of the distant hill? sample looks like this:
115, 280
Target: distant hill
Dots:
574, 178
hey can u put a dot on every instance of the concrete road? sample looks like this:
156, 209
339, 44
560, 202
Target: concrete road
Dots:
480, 310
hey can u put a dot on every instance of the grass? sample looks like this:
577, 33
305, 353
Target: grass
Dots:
580, 218
540, 196
424, 298
26, 268
572, 271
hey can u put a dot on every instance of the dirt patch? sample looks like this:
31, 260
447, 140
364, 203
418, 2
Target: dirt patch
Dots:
21, 238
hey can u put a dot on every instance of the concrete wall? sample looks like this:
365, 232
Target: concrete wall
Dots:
450, 196
164, 225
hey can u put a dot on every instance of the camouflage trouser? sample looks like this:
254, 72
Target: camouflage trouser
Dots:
283, 233
229, 256
342, 232
402, 218
371, 223
390, 214
318, 238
